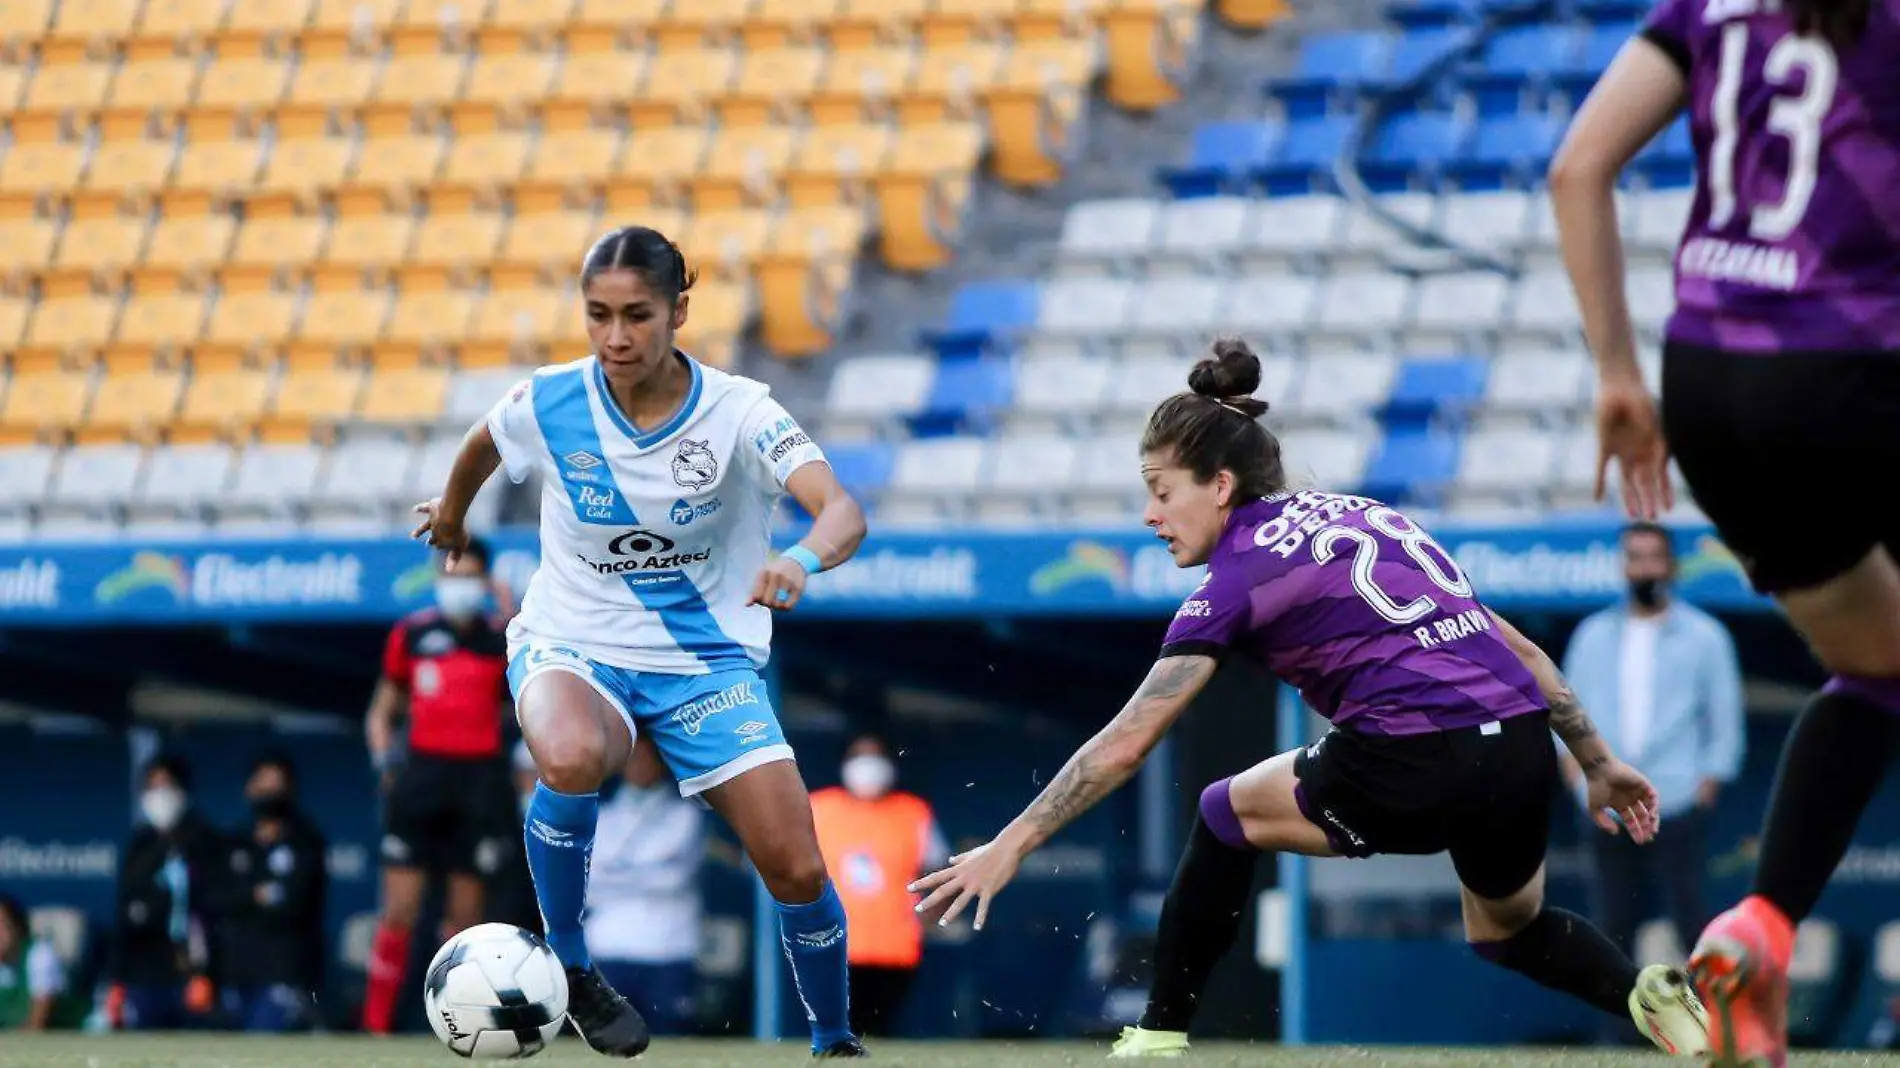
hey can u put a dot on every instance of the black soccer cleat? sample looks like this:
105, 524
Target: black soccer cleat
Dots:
849, 1047
603, 1018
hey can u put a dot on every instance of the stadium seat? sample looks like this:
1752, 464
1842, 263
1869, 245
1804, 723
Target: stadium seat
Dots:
511, 78
471, 393
365, 472
834, 164
862, 84
1332, 459
393, 167
25, 472
375, 240
1307, 155
986, 315
1331, 66
251, 318
241, 86
1418, 51
1412, 466
223, 401
271, 479
1435, 389
317, 396
484, 162
1106, 236
457, 241
93, 478
1081, 310
1224, 156
1286, 229
26, 247
773, 85
1654, 221
523, 319
658, 162
1171, 312
1519, 60
1543, 306
1198, 236
1034, 106
1140, 382
73, 324
1455, 306
1510, 149
1266, 306
109, 243
967, 395
743, 168
1362, 305
185, 246
681, 87
1549, 384
14, 312
574, 158
1058, 393
1021, 471
45, 401
1413, 148
939, 469
343, 317
864, 467
135, 402
1367, 236
924, 191
1493, 223
1344, 388
1652, 297
183, 478
133, 167
429, 320
161, 320
300, 169
41, 168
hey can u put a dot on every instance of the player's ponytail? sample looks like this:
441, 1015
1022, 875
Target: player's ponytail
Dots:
1839, 22
646, 252
1215, 426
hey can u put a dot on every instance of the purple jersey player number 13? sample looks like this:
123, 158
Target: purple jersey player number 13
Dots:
1355, 605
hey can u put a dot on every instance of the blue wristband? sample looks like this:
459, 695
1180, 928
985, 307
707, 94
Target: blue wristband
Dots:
804, 558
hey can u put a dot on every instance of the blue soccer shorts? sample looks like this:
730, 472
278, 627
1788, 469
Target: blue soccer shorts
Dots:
708, 728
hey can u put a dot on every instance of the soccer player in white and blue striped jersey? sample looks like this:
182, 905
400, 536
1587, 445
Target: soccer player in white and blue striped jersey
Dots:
652, 607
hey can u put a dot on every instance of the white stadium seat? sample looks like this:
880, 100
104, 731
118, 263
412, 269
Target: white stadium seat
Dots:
1362, 304
1367, 237
473, 392
1652, 296
24, 473
876, 388
1181, 308
1268, 305
1333, 460
1455, 305
183, 478
1544, 306
1056, 392
1083, 307
1141, 382
1102, 236
368, 472
1656, 220
1199, 234
1343, 387
1031, 466
951, 465
1538, 383
92, 479
1518, 461
273, 479
1289, 228
1495, 223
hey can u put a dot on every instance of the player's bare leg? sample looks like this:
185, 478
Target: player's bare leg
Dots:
462, 904
1835, 759
389, 951
577, 739
1239, 818
770, 811
1565, 952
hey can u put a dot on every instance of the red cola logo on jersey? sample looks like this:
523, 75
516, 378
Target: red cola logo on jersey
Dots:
645, 550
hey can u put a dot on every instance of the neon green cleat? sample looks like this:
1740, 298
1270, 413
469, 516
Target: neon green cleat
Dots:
1666, 1008
1136, 1042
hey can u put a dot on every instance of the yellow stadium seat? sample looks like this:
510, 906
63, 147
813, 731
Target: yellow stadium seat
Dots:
139, 400
26, 245
657, 162
725, 244
715, 318
307, 166
333, 83
485, 160
950, 80
835, 164
573, 157
357, 16
218, 166
318, 395
1036, 107
431, 318
408, 395
190, 243
1041, 20
773, 84
966, 21
108, 243
422, 80
693, 23
546, 239
224, 399
67, 87
242, 85
869, 23
600, 79
12, 86
681, 85
73, 322
627, 21
1149, 43
457, 241
25, 20
279, 241
96, 20
804, 275
267, 18
396, 165
779, 23
533, 17
510, 80
833, 233
248, 319
163, 85
380, 241
521, 318
863, 84
129, 166
923, 193
344, 317
171, 21
46, 401
744, 167
161, 319
14, 312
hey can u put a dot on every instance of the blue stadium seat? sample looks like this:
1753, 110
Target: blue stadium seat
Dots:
969, 393
985, 315
1419, 49
1413, 466
1669, 160
1509, 149
1225, 154
1307, 154
863, 467
1435, 389
1518, 60
1412, 146
1332, 65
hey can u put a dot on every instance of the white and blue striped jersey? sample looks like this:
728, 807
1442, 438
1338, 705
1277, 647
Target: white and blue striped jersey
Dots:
650, 540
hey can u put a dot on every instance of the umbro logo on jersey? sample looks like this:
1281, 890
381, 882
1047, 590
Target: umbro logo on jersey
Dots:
557, 838
820, 939
581, 460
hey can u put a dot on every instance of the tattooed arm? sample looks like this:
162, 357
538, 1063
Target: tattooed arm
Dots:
1568, 720
1111, 757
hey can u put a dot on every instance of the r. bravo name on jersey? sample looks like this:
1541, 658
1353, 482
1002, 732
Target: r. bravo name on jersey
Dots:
644, 550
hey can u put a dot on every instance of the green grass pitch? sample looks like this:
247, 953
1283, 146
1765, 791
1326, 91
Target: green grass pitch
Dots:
178, 1051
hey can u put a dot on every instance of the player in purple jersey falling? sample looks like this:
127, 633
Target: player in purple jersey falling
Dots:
1442, 715
1781, 372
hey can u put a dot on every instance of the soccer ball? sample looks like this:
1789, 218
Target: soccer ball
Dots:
495, 992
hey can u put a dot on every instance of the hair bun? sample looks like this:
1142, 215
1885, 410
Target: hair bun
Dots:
1230, 376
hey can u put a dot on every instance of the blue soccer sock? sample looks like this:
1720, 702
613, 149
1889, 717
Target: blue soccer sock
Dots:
814, 939
559, 832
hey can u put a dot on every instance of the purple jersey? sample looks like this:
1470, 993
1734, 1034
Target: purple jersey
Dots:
1793, 241
1359, 608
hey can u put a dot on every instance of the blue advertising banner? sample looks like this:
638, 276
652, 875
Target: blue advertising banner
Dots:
937, 575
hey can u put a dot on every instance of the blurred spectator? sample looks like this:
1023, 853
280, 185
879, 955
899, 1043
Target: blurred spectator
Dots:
161, 968
1661, 680
447, 808
273, 929
643, 897
876, 839
32, 977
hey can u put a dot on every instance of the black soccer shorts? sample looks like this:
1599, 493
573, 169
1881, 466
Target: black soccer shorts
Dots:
1483, 794
447, 815
1792, 456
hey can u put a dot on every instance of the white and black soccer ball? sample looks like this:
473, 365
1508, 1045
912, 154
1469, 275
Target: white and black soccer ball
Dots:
495, 992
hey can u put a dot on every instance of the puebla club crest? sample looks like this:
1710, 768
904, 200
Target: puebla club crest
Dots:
694, 466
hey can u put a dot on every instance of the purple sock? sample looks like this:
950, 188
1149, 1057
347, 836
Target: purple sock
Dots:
1217, 811
1884, 692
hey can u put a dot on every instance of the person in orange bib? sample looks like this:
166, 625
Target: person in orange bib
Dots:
875, 840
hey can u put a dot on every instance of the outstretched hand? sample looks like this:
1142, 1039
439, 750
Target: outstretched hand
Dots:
1617, 788
978, 874
1629, 430
440, 531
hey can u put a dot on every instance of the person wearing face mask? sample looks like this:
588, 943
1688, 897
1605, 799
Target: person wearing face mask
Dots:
448, 808
1665, 676
169, 888
273, 932
876, 839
